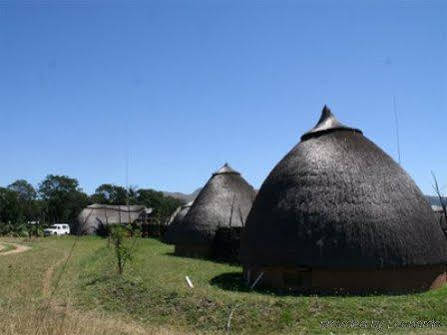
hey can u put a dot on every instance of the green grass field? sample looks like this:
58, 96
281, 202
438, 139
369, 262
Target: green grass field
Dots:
42, 293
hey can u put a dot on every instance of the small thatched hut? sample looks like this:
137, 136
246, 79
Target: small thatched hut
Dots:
179, 214
97, 216
225, 201
176, 220
337, 213
440, 216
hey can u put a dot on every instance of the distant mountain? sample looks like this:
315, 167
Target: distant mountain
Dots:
434, 200
182, 196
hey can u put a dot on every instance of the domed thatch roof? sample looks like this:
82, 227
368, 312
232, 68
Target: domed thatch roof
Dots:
336, 200
225, 201
95, 215
179, 214
176, 220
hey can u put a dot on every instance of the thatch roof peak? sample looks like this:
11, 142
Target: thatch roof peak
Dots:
327, 123
226, 168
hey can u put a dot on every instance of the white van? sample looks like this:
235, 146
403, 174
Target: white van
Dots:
57, 229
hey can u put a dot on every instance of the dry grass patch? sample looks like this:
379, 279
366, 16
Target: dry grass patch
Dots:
32, 318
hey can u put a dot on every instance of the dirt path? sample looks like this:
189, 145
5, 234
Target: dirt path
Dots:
46, 283
18, 248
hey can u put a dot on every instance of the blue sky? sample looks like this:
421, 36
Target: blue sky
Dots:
177, 88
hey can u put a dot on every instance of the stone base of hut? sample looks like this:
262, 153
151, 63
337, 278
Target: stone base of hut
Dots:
412, 279
195, 251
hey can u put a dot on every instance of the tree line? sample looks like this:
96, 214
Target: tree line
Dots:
59, 199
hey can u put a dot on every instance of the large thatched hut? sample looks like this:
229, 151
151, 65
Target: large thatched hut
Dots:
337, 213
94, 218
225, 201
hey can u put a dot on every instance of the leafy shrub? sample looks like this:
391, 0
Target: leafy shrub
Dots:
122, 244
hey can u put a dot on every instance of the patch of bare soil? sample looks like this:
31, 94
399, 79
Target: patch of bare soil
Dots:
18, 248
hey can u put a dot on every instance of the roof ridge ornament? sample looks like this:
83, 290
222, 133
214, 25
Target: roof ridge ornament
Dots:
327, 123
226, 168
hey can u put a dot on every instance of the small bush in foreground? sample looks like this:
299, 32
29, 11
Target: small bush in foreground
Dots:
122, 246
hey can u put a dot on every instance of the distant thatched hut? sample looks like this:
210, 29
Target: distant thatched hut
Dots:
176, 220
225, 201
179, 214
96, 217
338, 213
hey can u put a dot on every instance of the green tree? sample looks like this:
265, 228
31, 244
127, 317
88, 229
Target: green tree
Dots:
109, 194
11, 212
27, 196
25, 190
162, 205
63, 198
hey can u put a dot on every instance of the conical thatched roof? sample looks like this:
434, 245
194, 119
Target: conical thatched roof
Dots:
336, 200
225, 200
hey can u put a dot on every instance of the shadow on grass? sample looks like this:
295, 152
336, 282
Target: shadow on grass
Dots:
234, 281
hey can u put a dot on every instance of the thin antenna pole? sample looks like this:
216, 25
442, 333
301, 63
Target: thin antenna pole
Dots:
127, 159
127, 173
396, 120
